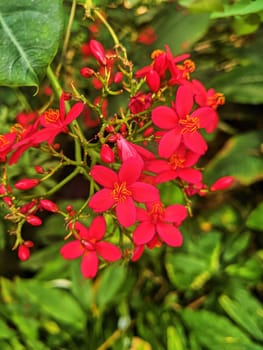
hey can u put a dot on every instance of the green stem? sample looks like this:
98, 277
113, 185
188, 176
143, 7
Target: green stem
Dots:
63, 182
107, 25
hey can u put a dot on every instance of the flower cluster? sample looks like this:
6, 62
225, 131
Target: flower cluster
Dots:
125, 156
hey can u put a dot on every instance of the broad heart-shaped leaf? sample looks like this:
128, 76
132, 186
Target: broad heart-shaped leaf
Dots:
240, 157
30, 32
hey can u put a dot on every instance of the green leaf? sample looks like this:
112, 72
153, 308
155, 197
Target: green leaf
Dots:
216, 332
235, 245
239, 157
179, 30
30, 32
56, 303
246, 311
174, 339
255, 218
5, 331
239, 8
110, 282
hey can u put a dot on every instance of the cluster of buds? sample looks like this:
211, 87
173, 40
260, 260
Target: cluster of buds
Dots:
157, 138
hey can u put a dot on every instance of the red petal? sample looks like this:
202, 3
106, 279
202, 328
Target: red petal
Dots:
169, 234
190, 175
169, 143
72, 250
175, 213
126, 212
101, 200
97, 228
157, 166
164, 117
208, 118
104, 176
142, 214
82, 230
184, 100
130, 170
143, 192
195, 142
166, 176
143, 233
108, 251
74, 113
89, 265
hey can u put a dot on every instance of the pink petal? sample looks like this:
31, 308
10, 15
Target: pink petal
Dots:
82, 230
142, 214
143, 233
97, 228
89, 265
104, 176
208, 118
157, 166
130, 170
74, 113
195, 142
184, 100
126, 212
72, 250
190, 175
169, 234
169, 143
175, 213
166, 176
108, 251
143, 192
101, 200
164, 117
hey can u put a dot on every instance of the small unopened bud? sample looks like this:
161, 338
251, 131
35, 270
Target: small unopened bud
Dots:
87, 72
26, 184
148, 132
106, 154
29, 244
48, 205
118, 77
8, 201
39, 169
222, 183
23, 252
153, 80
97, 51
33, 220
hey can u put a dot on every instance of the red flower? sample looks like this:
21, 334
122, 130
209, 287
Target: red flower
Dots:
179, 164
55, 122
90, 246
183, 126
160, 221
121, 190
140, 102
6, 142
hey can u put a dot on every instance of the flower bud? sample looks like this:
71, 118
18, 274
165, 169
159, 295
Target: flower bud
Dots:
153, 80
87, 72
48, 205
8, 201
97, 51
33, 220
39, 169
23, 252
29, 244
106, 154
118, 77
222, 183
26, 184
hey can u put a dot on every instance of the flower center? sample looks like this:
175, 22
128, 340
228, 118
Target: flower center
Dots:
215, 100
176, 162
189, 124
87, 245
51, 116
157, 212
3, 141
120, 192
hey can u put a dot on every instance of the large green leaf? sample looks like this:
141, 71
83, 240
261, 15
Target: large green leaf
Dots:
30, 32
239, 8
246, 311
240, 157
255, 219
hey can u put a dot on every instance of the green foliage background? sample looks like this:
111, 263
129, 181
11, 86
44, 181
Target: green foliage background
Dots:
206, 295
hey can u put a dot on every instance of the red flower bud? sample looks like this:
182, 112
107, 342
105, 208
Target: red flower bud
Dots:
23, 252
26, 184
33, 220
153, 80
2, 189
87, 72
118, 77
148, 132
97, 51
39, 169
29, 244
106, 154
222, 183
8, 201
49, 205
